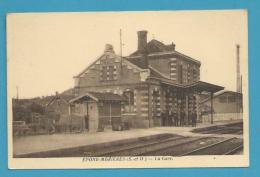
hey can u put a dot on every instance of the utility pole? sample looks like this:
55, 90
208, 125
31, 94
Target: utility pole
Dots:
238, 70
121, 53
17, 92
239, 82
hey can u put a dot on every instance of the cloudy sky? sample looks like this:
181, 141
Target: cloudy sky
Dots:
45, 50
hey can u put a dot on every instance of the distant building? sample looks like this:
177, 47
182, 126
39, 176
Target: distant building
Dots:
228, 105
155, 79
59, 104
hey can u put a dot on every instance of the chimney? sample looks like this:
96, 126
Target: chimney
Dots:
238, 70
109, 49
173, 46
142, 40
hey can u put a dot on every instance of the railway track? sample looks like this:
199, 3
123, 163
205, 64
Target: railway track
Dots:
174, 146
235, 128
183, 146
233, 151
226, 147
139, 149
101, 151
178, 146
179, 149
224, 130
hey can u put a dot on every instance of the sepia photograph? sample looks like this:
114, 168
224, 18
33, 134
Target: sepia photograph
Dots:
128, 89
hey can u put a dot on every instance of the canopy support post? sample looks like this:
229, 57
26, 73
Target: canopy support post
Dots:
70, 118
211, 106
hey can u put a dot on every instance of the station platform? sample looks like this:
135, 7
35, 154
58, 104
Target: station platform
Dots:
42, 143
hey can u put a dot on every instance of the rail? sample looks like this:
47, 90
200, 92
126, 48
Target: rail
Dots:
206, 147
234, 150
120, 150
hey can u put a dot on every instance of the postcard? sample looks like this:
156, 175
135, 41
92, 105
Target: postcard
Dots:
144, 89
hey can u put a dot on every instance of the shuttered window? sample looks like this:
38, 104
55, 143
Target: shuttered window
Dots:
108, 73
173, 68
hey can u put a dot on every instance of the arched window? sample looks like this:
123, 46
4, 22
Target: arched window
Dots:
129, 104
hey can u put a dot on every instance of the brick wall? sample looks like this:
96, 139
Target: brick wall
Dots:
171, 66
96, 76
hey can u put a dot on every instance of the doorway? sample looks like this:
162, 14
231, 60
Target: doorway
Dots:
92, 116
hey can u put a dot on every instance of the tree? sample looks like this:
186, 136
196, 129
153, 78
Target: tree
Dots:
36, 108
21, 114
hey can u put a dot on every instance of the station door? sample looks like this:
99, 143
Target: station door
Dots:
93, 116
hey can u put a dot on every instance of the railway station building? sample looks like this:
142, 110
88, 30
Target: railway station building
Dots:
154, 80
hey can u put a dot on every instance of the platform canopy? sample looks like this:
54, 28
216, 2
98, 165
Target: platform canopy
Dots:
201, 86
198, 86
97, 96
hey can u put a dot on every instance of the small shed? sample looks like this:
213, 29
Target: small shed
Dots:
98, 109
58, 105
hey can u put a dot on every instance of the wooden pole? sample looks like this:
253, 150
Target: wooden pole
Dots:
70, 118
87, 117
149, 104
17, 92
121, 53
197, 106
186, 109
110, 114
211, 106
238, 70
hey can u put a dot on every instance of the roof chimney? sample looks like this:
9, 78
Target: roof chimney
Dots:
173, 46
142, 40
238, 70
109, 49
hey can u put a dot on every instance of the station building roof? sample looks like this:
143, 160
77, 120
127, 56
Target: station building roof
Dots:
198, 86
217, 94
98, 96
157, 48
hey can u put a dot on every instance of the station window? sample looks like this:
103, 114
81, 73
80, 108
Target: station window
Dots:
173, 69
76, 109
223, 99
156, 104
180, 74
129, 105
189, 73
231, 99
108, 73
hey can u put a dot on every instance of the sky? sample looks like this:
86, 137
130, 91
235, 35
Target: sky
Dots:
45, 50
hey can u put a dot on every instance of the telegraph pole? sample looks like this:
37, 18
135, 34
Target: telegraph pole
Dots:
239, 81
121, 53
238, 70
17, 92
